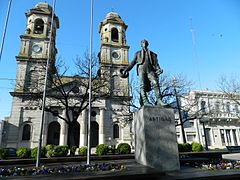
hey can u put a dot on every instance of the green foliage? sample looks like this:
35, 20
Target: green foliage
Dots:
34, 152
3, 153
124, 148
188, 147
101, 149
82, 150
60, 151
73, 150
49, 150
112, 149
49, 147
23, 152
196, 147
180, 148
185, 147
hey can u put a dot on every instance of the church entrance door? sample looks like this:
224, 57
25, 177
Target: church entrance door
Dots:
53, 133
74, 133
94, 134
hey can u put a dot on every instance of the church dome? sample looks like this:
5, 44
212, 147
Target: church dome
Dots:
43, 5
112, 15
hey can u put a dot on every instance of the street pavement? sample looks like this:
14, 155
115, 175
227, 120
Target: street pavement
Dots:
232, 156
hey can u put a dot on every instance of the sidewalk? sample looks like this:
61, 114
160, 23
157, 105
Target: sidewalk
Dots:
232, 156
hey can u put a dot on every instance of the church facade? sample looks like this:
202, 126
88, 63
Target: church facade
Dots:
108, 123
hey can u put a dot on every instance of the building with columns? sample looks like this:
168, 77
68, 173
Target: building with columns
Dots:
108, 123
221, 121
110, 115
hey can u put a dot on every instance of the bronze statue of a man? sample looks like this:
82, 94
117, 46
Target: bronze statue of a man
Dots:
148, 71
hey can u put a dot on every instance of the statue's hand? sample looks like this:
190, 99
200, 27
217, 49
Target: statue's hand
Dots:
159, 71
123, 73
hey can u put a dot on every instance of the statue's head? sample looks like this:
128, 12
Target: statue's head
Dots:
144, 43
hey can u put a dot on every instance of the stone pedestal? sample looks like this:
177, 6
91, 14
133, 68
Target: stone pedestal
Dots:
155, 138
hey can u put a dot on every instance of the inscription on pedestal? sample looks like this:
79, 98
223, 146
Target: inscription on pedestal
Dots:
160, 119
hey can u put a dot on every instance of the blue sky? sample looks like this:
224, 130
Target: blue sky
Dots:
165, 24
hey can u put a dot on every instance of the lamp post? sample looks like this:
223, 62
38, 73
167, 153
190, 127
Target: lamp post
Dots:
45, 89
179, 110
203, 121
5, 28
90, 89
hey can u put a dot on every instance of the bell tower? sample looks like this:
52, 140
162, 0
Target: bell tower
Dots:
113, 53
33, 54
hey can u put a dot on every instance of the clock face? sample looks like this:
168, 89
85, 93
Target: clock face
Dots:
115, 55
36, 48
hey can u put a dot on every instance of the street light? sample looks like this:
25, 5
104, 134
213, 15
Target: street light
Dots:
45, 89
5, 29
179, 110
90, 89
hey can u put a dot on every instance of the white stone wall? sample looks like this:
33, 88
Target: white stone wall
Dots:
218, 121
23, 113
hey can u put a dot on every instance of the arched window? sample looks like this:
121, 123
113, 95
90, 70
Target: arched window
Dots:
114, 34
26, 132
115, 131
236, 108
203, 106
217, 107
38, 26
228, 107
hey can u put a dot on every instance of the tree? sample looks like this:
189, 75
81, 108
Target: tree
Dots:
230, 87
171, 92
69, 94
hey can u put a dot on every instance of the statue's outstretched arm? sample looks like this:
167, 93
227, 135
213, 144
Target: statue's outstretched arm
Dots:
125, 72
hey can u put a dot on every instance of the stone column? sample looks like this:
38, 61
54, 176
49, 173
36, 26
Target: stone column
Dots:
120, 37
83, 129
238, 138
101, 126
45, 128
231, 136
63, 133
225, 137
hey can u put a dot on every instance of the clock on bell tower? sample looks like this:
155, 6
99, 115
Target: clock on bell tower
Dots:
34, 49
113, 53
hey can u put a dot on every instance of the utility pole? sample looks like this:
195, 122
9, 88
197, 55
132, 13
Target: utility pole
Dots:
179, 110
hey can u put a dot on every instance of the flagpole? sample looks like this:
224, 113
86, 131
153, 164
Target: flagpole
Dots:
90, 88
45, 89
5, 29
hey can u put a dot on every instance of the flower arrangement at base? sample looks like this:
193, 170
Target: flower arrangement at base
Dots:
15, 171
218, 165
